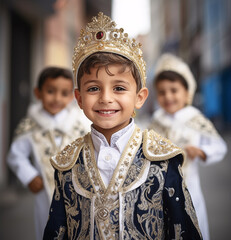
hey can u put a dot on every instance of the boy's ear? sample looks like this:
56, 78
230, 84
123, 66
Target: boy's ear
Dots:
37, 93
142, 95
78, 97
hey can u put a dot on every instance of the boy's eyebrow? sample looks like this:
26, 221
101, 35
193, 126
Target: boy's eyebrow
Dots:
90, 81
121, 81
98, 81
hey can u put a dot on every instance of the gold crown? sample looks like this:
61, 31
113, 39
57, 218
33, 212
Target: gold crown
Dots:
101, 35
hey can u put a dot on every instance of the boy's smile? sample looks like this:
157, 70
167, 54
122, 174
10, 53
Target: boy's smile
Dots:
108, 98
172, 96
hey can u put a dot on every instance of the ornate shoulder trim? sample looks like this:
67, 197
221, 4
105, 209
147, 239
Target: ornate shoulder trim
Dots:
156, 147
202, 124
66, 159
25, 125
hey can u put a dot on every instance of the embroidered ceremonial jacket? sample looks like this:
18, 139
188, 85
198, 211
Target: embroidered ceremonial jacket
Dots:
146, 198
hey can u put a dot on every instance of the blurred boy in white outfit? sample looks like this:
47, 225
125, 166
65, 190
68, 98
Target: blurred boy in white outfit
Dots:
185, 125
49, 126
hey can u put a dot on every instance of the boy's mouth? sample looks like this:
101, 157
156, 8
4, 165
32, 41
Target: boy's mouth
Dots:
107, 111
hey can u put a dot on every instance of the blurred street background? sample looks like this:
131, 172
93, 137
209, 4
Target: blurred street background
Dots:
38, 33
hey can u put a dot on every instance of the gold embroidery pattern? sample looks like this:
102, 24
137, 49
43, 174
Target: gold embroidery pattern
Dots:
188, 203
159, 128
103, 204
82, 176
71, 206
57, 193
82, 181
171, 191
132, 233
60, 234
134, 170
106, 201
177, 229
85, 216
65, 160
46, 147
73, 203
200, 123
150, 216
25, 125
158, 148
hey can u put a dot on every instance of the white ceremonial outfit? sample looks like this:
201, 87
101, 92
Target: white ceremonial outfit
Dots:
189, 127
39, 136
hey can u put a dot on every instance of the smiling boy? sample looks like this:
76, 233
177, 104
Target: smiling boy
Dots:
117, 182
49, 126
186, 126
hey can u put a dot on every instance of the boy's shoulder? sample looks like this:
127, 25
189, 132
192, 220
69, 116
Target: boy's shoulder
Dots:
26, 125
66, 159
202, 124
157, 148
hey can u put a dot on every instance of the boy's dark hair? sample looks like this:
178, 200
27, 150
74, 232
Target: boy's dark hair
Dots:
104, 59
53, 72
172, 77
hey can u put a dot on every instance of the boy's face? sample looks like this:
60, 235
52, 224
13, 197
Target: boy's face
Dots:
55, 94
109, 101
172, 96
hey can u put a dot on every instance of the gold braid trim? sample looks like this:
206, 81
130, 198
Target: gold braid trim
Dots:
188, 203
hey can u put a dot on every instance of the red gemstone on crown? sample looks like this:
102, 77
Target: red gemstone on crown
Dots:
99, 35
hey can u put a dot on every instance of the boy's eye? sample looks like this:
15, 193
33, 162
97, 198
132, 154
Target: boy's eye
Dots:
92, 89
161, 93
174, 90
119, 88
50, 90
66, 93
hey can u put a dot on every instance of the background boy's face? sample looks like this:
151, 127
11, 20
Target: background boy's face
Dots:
172, 96
55, 94
109, 101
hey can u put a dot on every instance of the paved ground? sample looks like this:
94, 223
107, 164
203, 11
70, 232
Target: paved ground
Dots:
16, 204
216, 185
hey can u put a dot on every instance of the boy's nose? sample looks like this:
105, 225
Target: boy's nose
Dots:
106, 97
58, 97
168, 95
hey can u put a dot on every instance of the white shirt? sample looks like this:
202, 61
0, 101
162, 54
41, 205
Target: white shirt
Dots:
107, 156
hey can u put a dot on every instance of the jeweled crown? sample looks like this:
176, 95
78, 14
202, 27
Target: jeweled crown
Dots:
101, 35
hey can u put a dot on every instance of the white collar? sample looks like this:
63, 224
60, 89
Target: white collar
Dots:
183, 115
118, 140
57, 118
63, 121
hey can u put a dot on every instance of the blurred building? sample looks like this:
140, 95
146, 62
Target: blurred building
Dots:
200, 33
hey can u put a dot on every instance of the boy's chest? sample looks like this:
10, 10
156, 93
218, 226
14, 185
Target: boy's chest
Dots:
141, 192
